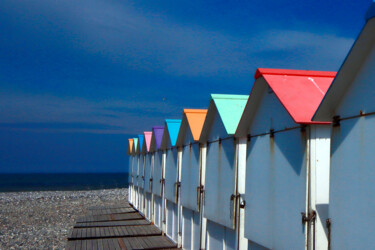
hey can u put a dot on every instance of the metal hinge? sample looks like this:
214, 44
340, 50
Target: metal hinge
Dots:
242, 202
336, 121
200, 191
328, 225
310, 217
272, 133
177, 190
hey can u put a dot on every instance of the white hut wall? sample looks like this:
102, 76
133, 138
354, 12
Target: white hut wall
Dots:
130, 178
275, 179
353, 164
136, 177
190, 229
220, 176
147, 185
190, 173
220, 186
320, 139
156, 187
190, 180
141, 176
171, 175
170, 193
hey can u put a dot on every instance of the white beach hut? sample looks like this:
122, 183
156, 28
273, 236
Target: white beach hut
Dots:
140, 178
350, 104
191, 179
157, 175
168, 145
220, 189
147, 175
130, 169
135, 172
287, 165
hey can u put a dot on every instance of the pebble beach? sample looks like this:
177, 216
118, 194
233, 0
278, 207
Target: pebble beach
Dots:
43, 220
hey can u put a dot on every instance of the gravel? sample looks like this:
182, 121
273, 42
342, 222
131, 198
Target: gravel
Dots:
43, 220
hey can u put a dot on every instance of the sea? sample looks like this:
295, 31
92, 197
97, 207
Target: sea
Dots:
63, 182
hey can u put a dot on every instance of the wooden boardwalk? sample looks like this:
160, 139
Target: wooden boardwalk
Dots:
120, 227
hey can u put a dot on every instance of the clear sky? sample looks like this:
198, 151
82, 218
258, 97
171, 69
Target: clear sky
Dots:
77, 78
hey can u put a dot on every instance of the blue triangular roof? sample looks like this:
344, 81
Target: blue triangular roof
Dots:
173, 129
140, 137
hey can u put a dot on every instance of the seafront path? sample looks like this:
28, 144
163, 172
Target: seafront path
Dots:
116, 227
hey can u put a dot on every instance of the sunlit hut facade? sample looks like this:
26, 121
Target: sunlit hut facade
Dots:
287, 167
140, 176
168, 145
135, 172
147, 174
220, 189
157, 175
190, 177
130, 170
350, 104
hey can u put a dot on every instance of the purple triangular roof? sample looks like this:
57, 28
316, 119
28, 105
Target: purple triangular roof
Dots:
158, 131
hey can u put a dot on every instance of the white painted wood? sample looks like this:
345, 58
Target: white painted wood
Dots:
241, 185
179, 218
320, 171
203, 152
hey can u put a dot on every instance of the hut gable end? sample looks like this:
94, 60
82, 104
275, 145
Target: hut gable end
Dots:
270, 114
352, 90
228, 110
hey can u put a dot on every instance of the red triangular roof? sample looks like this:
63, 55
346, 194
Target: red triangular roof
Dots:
299, 91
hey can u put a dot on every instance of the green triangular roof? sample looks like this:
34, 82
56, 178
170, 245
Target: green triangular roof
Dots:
230, 108
135, 144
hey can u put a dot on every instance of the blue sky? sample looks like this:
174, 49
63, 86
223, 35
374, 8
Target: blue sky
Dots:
79, 77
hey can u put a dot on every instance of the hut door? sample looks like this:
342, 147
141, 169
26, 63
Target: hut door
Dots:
220, 182
171, 174
190, 172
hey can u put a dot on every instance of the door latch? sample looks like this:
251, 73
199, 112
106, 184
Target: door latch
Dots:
308, 218
200, 190
177, 190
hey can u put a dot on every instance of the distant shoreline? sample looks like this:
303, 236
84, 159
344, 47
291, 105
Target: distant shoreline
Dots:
61, 182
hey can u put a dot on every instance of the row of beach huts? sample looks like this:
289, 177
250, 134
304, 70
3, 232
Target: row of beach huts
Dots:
291, 166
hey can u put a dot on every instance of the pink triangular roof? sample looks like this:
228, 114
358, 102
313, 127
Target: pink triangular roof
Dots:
299, 91
148, 139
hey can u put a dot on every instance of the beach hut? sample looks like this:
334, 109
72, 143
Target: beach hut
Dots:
350, 105
140, 178
220, 189
287, 163
135, 172
147, 175
157, 175
190, 179
130, 170
168, 145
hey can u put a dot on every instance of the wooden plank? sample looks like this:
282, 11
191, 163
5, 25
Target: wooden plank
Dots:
127, 243
111, 245
113, 217
125, 205
100, 244
83, 245
116, 244
121, 243
89, 244
113, 223
117, 230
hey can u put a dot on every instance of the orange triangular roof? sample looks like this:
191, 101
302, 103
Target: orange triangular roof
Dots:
195, 119
130, 146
